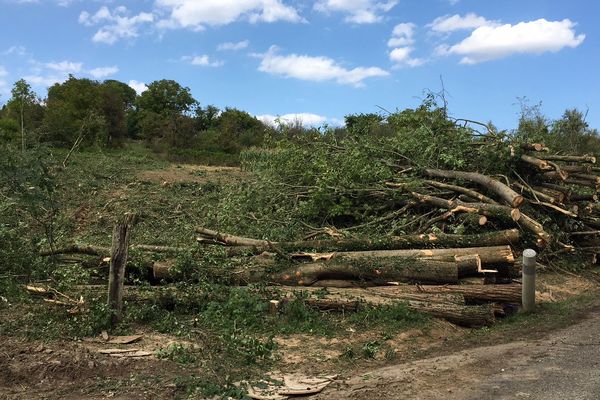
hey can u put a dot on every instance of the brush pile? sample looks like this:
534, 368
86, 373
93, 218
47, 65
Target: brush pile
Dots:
418, 208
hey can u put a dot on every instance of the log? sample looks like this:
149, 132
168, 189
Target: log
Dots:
550, 191
230, 240
490, 256
535, 193
509, 236
459, 189
118, 260
502, 190
583, 197
345, 299
455, 206
100, 251
553, 176
580, 159
542, 165
534, 147
383, 270
587, 177
585, 169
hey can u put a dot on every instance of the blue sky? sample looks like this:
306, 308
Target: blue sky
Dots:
320, 58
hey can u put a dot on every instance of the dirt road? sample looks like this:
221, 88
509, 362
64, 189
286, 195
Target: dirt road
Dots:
564, 365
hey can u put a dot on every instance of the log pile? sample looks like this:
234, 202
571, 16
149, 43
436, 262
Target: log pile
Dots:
549, 202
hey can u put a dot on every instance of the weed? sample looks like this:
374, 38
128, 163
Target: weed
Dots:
178, 353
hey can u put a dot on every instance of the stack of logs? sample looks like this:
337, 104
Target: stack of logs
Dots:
443, 282
432, 272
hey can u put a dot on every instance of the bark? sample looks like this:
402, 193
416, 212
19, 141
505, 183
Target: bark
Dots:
535, 193
459, 189
587, 177
542, 165
345, 299
550, 191
101, 251
396, 269
581, 159
582, 182
502, 190
555, 176
583, 197
534, 147
492, 255
230, 240
118, 260
497, 238
583, 168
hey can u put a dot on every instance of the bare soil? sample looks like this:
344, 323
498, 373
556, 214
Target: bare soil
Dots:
76, 370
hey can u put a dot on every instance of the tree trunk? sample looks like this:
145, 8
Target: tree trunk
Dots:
118, 260
581, 159
509, 236
502, 190
542, 165
459, 189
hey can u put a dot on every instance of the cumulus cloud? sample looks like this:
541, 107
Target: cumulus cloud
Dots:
65, 67
102, 72
306, 119
233, 46
3, 71
139, 87
116, 24
196, 15
358, 11
317, 69
202, 60
402, 41
402, 35
452, 23
44, 80
498, 41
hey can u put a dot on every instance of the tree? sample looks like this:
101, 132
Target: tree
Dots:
21, 107
163, 111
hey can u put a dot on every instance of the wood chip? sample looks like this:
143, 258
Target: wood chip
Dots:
124, 339
136, 354
117, 351
104, 335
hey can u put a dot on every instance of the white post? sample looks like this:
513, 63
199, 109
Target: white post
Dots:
528, 286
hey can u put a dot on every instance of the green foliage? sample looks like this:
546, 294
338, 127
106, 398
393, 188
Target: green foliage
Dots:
178, 353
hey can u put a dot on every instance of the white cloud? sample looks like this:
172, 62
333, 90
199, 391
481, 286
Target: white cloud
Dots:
139, 87
3, 71
102, 72
196, 15
15, 50
233, 46
452, 23
402, 35
402, 40
117, 23
535, 37
65, 67
202, 60
359, 11
46, 81
316, 69
306, 119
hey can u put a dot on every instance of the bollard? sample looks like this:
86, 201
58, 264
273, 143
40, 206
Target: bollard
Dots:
528, 286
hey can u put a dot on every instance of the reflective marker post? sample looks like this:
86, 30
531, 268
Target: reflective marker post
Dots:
528, 285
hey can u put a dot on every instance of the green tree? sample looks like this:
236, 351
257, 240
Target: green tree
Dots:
24, 108
163, 111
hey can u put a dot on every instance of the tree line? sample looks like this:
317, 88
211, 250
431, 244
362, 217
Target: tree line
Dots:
167, 118
106, 114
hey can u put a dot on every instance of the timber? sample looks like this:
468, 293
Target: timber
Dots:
497, 238
118, 260
502, 190
581, 159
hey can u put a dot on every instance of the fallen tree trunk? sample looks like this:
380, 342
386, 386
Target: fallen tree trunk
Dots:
509, 236
101, 251
542, 165
581, 159
534, 147
459, 189
502, 190
456, 206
